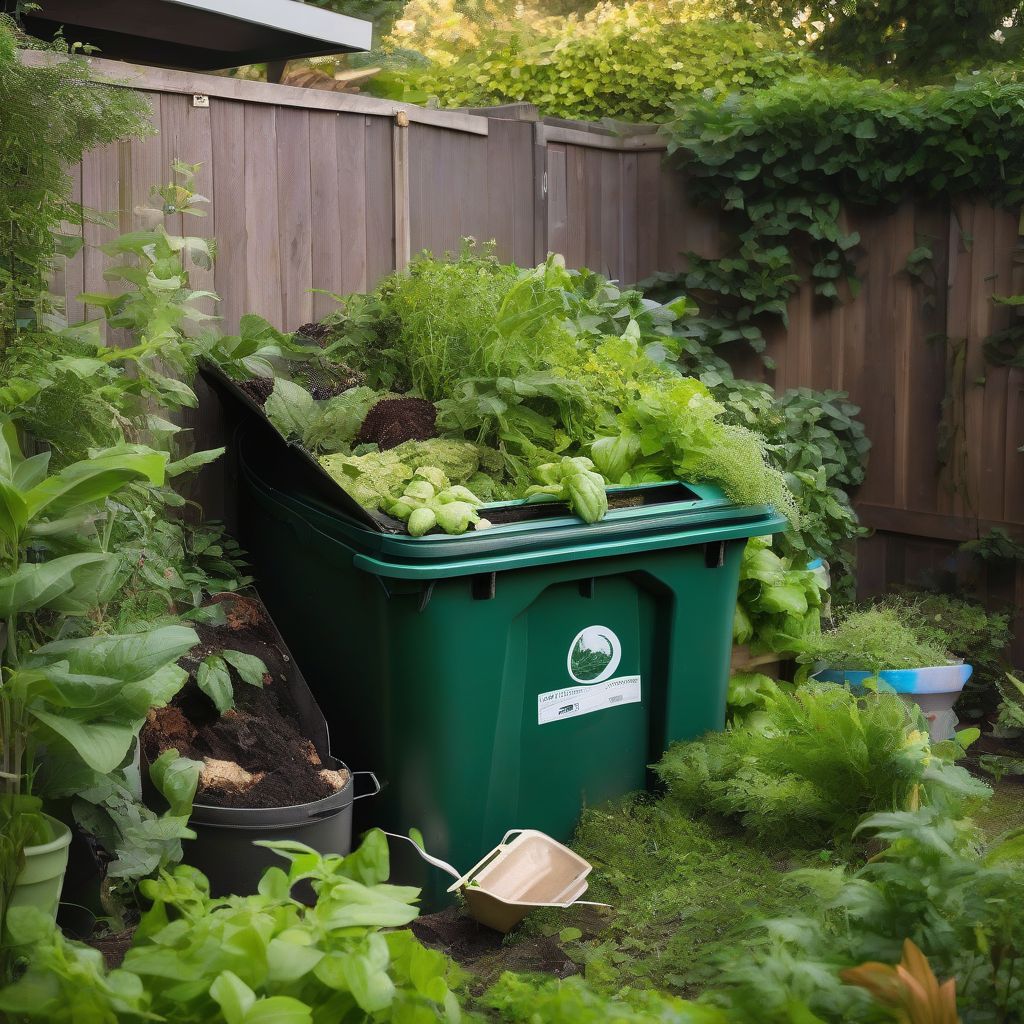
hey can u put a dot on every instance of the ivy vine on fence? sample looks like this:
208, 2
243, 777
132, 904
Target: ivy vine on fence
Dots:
786, 160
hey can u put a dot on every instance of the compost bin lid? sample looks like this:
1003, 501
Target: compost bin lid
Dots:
650, 517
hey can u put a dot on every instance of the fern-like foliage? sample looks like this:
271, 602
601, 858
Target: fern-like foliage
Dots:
815, 763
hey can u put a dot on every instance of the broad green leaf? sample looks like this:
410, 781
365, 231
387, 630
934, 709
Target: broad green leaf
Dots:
248, 666
176, 778
94, 585
31, 471
290, 961
279, 1010
129, 657
13, 513
214, 680
92, 480
33, 585
10, 450
380, 906
233, 996
103, 746
155, 690
788, 598
290, 408
194, 461
367, 976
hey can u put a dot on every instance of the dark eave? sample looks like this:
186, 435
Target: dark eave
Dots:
201, 35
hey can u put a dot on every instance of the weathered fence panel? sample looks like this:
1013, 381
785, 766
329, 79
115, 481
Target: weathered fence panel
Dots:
316, 190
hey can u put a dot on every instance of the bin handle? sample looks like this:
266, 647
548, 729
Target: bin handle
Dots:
376, 784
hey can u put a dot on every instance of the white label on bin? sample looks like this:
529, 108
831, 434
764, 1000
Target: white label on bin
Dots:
572, 701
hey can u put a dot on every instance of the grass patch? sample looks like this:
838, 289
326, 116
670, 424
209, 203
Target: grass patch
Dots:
682, 892
1003, 813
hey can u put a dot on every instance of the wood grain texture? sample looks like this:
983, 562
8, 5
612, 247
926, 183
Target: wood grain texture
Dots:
379, 200
295, 217
325, 210
352, 204
227, 126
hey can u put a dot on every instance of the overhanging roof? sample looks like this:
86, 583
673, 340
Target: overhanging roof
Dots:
201, 35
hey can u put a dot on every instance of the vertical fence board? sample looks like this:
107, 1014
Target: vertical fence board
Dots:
649, 236
378, 193
263, 266
227, 122
100, 194
610, 254
557, 202
72, 271
325, 209
352, 185
992, 443
628, 213
983, 272
927, 364
295, 216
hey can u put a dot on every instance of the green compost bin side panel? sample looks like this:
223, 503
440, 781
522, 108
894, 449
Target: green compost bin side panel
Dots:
445, 701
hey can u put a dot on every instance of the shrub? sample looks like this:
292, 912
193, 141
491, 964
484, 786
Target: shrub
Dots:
630, 63
49, 116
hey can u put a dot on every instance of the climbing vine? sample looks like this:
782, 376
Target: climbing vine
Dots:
784, 161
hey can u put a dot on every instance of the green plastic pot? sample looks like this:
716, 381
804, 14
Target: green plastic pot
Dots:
42, 877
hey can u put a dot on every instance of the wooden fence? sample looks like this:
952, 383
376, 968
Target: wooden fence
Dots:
316, 190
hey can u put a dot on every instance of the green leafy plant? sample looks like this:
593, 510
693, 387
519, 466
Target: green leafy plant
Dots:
573, 1001
814, 763
79, 701
630, 63
996, 546
559, 374
783, 161
250, 960
575, 482
925, 38
50, 114
928, 884
213, 676
778, 607
876, 639
966, 630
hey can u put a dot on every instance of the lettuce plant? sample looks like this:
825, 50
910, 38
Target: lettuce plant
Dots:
261, 959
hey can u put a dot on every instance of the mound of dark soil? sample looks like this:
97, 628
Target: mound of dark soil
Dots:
255, 754
313, 332
324, 381
394, 420
257, 388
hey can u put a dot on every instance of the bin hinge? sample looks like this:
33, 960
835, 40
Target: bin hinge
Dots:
714, 554
483, 586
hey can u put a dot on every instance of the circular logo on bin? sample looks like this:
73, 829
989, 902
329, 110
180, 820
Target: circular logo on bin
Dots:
594, 655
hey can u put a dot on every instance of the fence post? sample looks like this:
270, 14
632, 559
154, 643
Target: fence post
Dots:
400, 143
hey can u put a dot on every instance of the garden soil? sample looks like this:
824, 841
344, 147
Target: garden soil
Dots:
487, 953
254, 755
395, 420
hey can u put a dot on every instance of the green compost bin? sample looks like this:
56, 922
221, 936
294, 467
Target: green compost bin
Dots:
506, 678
